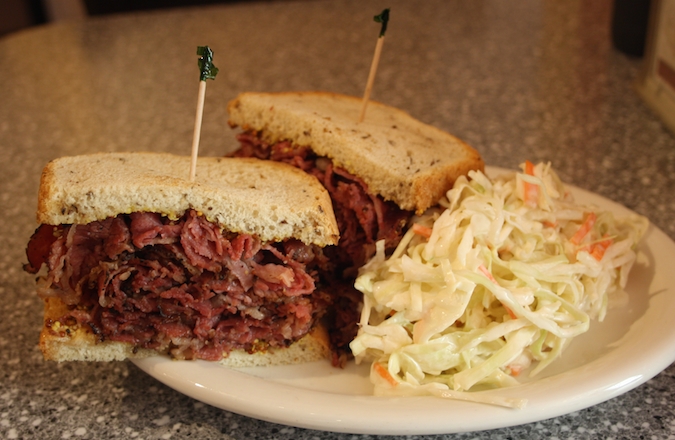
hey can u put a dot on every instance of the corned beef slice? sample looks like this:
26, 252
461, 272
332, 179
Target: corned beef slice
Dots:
180, 286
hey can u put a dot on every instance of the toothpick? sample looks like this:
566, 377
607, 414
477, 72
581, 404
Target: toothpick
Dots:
206, 71
384, 19
371, 78
198, 129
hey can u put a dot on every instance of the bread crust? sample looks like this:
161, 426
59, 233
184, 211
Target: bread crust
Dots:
59, 342
400, 158
271, 200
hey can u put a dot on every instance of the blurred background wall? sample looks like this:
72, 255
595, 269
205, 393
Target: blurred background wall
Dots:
19, 14
629, 21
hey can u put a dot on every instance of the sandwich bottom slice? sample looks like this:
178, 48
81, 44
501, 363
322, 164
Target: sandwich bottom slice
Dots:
135, 260
59, 342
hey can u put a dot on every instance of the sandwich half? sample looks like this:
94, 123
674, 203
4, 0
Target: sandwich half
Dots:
134, 259
378, 172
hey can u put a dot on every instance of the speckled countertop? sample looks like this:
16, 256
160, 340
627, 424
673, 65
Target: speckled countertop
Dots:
518, 80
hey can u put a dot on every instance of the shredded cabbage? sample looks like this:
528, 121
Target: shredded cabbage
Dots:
497, 281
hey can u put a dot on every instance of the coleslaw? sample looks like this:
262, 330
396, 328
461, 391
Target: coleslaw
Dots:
494, 283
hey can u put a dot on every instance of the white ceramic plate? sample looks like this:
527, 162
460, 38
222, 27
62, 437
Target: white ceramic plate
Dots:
632, 345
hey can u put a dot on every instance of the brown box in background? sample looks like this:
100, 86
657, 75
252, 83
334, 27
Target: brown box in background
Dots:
657, 82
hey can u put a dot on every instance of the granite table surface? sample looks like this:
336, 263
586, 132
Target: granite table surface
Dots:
519, 80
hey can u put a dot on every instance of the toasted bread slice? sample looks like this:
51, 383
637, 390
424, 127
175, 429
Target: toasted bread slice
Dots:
62, 343
400, 158
271, 200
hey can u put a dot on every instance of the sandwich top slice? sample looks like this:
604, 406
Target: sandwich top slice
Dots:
134, 259
271, 201
399, 158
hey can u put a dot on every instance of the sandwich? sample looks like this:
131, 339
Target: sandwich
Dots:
133, 259
379, 172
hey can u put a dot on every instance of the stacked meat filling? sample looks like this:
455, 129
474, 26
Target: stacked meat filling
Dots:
180, 286
363, 219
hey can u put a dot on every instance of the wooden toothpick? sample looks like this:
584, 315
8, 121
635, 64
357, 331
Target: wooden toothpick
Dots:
206, 71
384, 19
